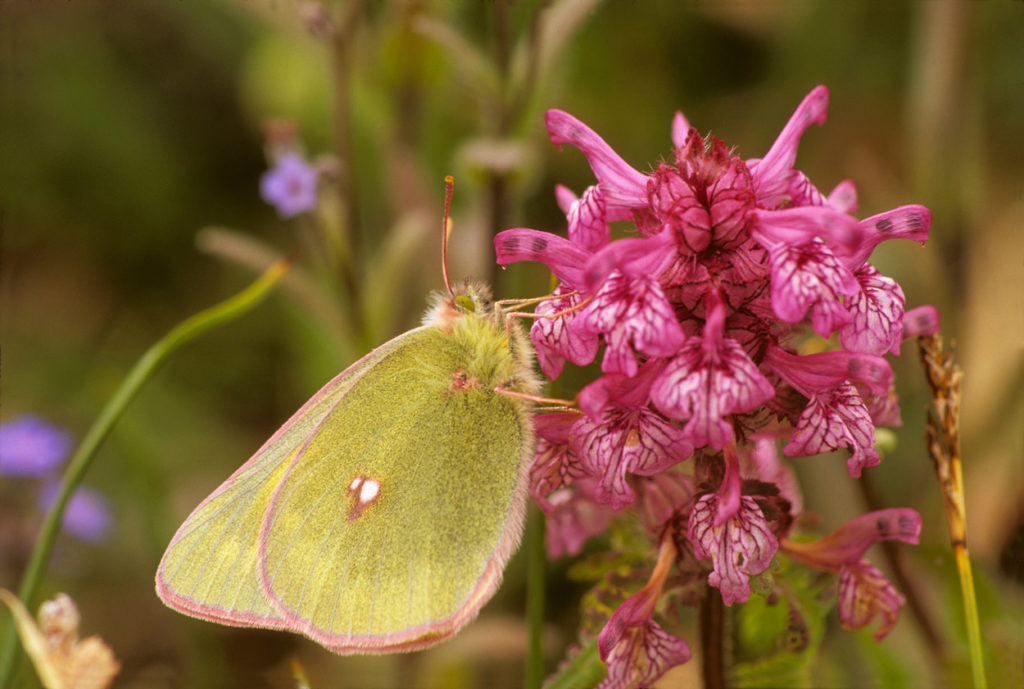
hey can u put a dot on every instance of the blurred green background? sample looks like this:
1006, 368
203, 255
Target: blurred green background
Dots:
132, 138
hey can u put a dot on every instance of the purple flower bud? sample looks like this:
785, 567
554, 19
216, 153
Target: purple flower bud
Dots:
290, 186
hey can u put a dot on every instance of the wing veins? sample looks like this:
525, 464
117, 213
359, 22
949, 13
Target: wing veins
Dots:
323, 542
209, 558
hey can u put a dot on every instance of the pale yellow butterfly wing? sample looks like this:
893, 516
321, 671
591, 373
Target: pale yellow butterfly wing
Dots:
392, 526
211, 567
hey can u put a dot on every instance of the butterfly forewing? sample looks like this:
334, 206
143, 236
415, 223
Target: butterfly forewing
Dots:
211, 567
392, 525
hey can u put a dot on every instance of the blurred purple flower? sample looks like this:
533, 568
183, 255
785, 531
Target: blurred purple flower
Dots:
87, 515
31, 447
290, 186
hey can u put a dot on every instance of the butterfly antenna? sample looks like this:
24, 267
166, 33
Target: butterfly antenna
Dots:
449, 190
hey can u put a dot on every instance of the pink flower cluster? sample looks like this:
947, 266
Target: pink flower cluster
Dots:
702, 315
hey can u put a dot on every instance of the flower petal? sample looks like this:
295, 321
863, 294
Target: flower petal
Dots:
588, 220
906, 222
573, 516
811, 277
848, 543
635, 648
680, 128
922, 320
877, 314
632, 313
772, 172
795, 227
565, 259
642, 656
86, 515
647, 256
626, 441
558, 339
290, 186
555, 464
620, 390
834, 419
739, 548
844, 197
814, 373
864, 592
707, 388
31, 447
621, 184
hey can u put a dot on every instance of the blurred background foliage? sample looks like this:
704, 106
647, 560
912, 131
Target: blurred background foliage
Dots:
132, 138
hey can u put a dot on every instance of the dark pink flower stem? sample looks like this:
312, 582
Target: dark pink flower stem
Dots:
712, 639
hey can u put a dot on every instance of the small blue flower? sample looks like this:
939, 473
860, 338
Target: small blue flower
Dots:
31, 447
86, 516
290, 186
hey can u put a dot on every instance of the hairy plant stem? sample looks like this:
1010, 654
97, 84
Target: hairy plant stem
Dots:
712, 639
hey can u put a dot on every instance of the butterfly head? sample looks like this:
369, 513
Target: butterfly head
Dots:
468, 298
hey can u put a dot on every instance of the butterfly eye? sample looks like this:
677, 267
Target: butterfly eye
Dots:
466, 303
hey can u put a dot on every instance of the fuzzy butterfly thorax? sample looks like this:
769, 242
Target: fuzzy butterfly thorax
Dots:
498, 355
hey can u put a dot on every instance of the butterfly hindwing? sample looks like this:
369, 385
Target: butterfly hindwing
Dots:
392, 525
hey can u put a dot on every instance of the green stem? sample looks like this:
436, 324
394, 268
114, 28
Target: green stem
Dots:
963, 564
536, 560
341, 73
497, 180
143, 370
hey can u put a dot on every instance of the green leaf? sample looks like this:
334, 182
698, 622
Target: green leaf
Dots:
778, 637
583, 669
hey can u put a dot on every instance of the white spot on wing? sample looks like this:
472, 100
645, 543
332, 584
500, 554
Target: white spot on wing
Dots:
369, 490
364, 492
